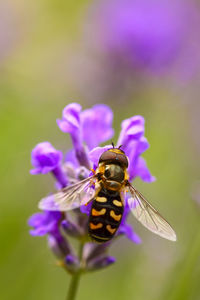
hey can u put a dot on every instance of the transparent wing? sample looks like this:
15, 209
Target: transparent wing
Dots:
149, 216
70, 197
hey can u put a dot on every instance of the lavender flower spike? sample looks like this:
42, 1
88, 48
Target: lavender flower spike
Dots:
45, 158
89, 127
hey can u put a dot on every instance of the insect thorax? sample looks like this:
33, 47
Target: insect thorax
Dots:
112, 176
114, 172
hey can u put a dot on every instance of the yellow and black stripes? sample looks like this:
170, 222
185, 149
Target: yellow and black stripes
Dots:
105, 216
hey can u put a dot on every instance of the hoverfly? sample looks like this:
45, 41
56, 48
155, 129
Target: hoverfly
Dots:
107, 188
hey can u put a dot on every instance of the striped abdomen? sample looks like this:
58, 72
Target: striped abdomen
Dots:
105, 216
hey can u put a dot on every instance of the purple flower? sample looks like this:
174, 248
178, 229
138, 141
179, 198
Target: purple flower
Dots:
145, 34
45, 223
91, 127
95, 153
48, 222
127, 229
45, 158
133, 144
132, 129
127, 43
97, 125
70, 123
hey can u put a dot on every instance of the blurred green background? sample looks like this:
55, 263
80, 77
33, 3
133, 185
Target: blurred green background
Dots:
37, 41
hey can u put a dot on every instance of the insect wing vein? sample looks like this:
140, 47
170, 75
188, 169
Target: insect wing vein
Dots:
149, 216
70, 197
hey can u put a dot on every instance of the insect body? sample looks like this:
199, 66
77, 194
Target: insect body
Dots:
106, 188
108, 205
106, 215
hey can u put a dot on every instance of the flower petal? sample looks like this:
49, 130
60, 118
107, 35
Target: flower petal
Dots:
97, 125
129, 233
131, 129
70, 118
71, 157
95, 153
142, 171
44, 222
45, 158
133, 150
85, 209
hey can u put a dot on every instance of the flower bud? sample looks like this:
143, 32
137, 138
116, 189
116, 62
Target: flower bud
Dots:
100, 262
71, 228
72, 263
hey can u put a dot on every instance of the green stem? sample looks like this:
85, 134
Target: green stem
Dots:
75, 278
73, 286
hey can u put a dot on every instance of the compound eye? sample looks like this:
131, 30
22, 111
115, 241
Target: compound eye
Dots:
107, 172
123, 159
107, 156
